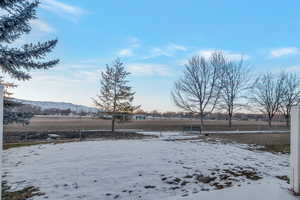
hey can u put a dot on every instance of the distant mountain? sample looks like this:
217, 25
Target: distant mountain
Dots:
59, 105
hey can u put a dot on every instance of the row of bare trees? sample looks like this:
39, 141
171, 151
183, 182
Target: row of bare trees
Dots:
218, 83
209, 84
276, 93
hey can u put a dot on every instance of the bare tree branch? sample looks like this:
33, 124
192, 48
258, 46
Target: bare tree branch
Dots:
235, 82
267, 94
198, 91
291, 95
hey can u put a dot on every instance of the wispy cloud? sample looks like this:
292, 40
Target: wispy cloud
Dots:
182, 62
133, 43
92, 76
276, 53
176, 47
125, 53
71, 72
57, 87
168, 50
228, 54
294, 68
146, 69
63, 8
42, 26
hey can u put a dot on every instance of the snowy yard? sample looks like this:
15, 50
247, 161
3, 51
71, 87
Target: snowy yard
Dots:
148, 169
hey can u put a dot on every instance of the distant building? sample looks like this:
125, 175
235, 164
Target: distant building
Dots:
139, 117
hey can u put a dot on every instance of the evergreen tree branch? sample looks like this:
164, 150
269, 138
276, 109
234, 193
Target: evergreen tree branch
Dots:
12, 26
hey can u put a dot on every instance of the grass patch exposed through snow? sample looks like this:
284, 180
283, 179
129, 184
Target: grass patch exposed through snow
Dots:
23, 194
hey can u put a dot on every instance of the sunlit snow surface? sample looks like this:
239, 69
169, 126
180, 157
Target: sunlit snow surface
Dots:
135, 169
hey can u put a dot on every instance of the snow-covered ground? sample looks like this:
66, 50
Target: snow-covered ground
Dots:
148, 169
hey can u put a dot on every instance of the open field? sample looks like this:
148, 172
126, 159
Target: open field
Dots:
59, 124
271, 142
259, 138
62, 124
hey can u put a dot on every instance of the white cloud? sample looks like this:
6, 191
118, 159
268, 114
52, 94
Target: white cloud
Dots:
42, 26
145, 69
182, 62
90, 76
168, 50
276, 53
134, 42
176, 47
295, 68
49, 86
62, 8
81, 70
125, 53
228, 54
160, 52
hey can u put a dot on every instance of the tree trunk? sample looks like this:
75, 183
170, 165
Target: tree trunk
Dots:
201, 124
287, 119
113, 124
270, 122
230, 121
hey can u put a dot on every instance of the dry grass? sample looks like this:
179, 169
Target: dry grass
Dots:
271, 142
60, 123
24, 144
258, 139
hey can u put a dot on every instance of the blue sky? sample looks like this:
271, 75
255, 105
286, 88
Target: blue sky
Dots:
154, 39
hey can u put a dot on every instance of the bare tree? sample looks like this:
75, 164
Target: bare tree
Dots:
291, 95
235, 81
198, 91
267, 94
115, 95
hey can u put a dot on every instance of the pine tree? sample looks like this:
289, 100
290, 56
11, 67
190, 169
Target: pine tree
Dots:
18, 62
115, 95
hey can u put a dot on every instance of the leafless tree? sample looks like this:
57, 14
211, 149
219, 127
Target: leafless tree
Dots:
267, 94
198, 91
115, 95
235, 81
291, 95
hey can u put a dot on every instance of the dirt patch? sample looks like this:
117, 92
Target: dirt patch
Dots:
23, 194
32, 136
284, 178
218, 179
285, 148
